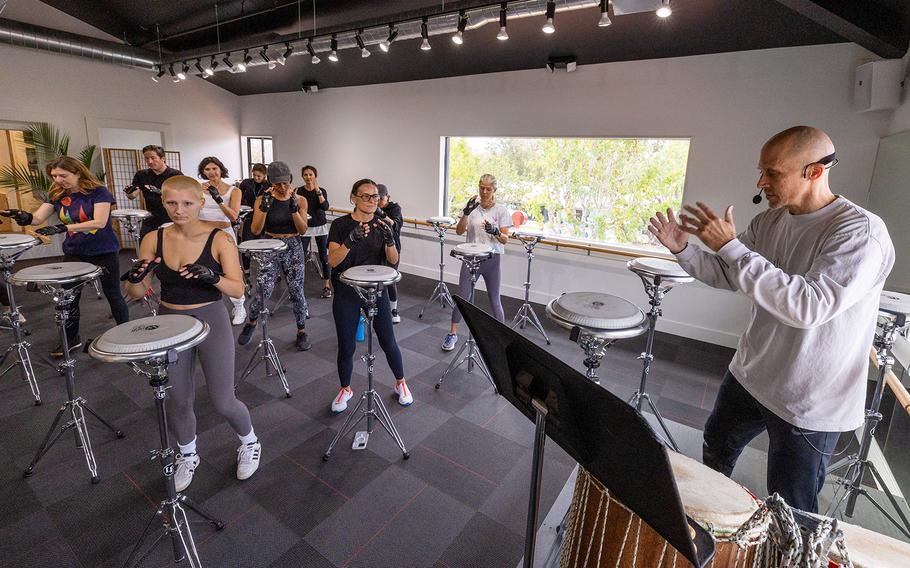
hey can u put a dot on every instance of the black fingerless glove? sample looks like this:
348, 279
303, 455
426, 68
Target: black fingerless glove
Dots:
152, 189
356, 234
138, 271
380, 214
388, 236
472, 205
265, 203
292, 204
21, 217
202, 273
490, 228
51, 230
130, 189
213, 191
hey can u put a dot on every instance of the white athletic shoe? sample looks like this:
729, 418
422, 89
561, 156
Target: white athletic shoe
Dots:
396, 317
403, 394
186, 466
340, 402
238, 315
248, 459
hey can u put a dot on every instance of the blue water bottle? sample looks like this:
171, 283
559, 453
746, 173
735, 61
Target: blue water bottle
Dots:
361, 324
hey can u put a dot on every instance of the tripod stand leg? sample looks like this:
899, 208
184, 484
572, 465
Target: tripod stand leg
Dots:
250, 366
905, 529
349, 424
536, 322
182, 538
385, 419
145, 533
28, 372
86, 442
660, 420
47, 442
200, 511
108, 425
456, 362
272, 358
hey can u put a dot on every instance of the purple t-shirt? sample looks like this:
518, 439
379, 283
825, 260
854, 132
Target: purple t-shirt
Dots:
78, 208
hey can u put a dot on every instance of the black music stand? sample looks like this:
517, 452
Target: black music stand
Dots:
605, 435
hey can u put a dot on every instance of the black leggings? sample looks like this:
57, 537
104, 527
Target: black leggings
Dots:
110, 285
322, 245
392, 289
346, 311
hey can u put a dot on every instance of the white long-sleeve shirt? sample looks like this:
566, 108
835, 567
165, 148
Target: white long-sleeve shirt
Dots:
815, 282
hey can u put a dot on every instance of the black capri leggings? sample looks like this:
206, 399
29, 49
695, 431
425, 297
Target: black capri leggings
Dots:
110, 285
322, 245
346, 306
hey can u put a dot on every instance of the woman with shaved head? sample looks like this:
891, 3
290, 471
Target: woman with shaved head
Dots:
814, 265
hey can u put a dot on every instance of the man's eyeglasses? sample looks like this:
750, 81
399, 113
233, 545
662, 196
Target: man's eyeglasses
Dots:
368, 197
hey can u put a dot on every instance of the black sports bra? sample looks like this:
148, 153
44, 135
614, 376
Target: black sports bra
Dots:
180, 291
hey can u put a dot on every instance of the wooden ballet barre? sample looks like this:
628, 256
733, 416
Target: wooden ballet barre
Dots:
556, 244
900, 391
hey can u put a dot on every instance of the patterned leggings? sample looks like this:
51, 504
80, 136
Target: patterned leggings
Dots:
291, 262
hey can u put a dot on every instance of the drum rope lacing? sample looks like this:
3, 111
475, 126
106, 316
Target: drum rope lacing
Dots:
783, 544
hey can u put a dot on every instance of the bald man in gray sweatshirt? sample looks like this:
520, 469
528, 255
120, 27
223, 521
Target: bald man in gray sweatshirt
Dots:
814, 265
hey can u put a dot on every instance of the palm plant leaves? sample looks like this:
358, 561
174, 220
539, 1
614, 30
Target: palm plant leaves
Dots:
47, 143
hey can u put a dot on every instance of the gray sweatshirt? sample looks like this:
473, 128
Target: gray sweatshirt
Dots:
814, 281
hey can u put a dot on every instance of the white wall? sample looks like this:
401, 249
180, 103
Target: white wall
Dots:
728, 104
900, 121
83, 97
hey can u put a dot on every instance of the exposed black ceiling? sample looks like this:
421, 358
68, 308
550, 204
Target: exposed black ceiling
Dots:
696, 27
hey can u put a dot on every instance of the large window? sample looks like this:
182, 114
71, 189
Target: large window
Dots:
599, 190
257, 150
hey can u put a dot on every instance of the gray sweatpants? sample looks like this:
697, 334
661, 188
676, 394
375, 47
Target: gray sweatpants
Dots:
216, 354
492, 277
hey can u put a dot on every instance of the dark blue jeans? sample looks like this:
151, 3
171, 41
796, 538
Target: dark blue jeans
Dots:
346, 312
797, 458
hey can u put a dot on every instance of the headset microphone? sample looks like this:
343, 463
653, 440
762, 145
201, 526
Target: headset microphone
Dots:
757, 199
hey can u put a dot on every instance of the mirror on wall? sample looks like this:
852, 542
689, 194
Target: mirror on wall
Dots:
889, 198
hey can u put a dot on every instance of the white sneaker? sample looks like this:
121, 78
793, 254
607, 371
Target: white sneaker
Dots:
248, 459
403, 394
396, 317
186, 466
238, 315
340, 403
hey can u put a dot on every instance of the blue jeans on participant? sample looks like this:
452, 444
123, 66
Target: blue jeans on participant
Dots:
797, 458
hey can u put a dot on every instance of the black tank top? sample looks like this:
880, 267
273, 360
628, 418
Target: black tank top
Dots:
180, 291
278, 220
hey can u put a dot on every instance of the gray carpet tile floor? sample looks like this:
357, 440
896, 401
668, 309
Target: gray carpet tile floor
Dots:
460, 500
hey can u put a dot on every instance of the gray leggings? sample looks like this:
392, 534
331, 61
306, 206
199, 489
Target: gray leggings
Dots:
216, 354
492, 277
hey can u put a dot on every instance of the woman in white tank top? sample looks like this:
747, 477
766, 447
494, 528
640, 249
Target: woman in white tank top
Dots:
222, 205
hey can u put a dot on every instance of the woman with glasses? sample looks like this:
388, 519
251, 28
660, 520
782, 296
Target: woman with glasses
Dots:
317, 204
486, 222
357, 239
222, 205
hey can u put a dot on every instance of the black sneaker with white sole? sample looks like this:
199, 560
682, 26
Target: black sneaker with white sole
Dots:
395, 317
246, 333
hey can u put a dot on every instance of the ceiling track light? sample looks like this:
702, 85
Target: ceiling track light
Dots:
199, 68
209, 69
364, 52
161, 72
265, 58
604, 14
288, 50
227, 61
425, 45
245, 62
393, 33
183, 71
458, 38
664, 11
314, 59
549, 27
333, 55
503, 32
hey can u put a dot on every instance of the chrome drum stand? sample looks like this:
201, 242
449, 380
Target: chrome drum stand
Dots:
441, 291
20, 346
526, 314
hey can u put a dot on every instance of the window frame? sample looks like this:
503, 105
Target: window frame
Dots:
247, 150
